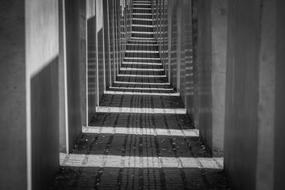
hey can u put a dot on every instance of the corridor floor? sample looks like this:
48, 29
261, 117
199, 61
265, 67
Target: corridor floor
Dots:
141, 137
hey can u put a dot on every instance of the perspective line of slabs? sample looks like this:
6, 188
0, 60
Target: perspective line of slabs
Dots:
84, 160
141, 131
107, 109
139, 88
140, 136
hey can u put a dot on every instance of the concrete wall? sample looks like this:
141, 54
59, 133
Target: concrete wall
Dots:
255, 95
63, 119
42, 52
161, 31
279, 144
105, 23
219, 11
100, 48
242, 93
265, 130
13, 122
172, 43
203, 93
210, 71
91, 57
116, 29
75, 62
186, 51
83, 60
108, 66
180, 60
112, 39
30, 110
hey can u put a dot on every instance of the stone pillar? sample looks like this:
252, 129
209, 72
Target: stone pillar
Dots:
74, 62
279, 130
211, 73
91, 57
254, 135
29, 93
218, 73
100, 50
13, 95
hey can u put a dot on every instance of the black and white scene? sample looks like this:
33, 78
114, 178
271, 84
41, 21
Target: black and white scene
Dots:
142, 95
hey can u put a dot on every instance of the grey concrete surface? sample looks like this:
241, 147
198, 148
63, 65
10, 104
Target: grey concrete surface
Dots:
13, 95
100, 50
209, 73
63, 119
107, 54
203, 84
172, 42
219, 65
29, 91
279, 144
91, 57
266, 103
74, 63
180, 46
83, 60
210, 67
42, 52
255, 96
187, 80
242, 94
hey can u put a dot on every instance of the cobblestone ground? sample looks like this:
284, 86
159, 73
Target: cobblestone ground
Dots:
125, 145
139, 178
149, 148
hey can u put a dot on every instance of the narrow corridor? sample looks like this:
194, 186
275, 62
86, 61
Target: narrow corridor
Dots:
141, 136
142, 94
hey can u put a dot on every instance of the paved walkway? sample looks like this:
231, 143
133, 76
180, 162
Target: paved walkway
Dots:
141, 137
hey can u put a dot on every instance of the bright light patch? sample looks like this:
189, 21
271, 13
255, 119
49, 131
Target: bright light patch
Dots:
106, 109
141, 63
141, 83
139, 69
138, 88
113, 161
141, 93
142, 131
144, 76
141, 51
143, 58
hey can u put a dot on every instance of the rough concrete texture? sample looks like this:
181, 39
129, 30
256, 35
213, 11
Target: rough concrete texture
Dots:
187, 56
279, 144
62, 80
242, 93
255, 96
83, 60
13, 95
211, 73
90, 8
210, 67
91, 57
161, 31
174, 36
42, 52
107, 54
266, 103
100, 50
73, 58
219, 50
203, 83
172, 43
